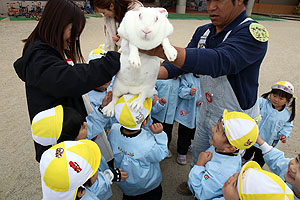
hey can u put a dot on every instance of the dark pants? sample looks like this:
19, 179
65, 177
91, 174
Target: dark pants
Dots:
258, 156
154, 194
167, 128
185, 137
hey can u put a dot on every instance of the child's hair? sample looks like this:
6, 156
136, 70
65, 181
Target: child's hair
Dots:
72, 123
87, 184
286, 95
50, 29
120, 7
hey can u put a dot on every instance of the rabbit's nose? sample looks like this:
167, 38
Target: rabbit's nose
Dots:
146, 31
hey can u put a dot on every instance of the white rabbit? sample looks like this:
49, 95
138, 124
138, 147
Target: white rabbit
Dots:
144, 29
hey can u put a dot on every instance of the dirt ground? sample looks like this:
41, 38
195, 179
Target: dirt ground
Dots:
19, 174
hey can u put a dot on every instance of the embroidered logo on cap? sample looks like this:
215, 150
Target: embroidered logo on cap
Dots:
248, 143
75, 166
59, 152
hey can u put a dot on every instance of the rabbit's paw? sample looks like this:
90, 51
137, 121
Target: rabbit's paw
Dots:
134, 60
109, 110
137, 104
171, 53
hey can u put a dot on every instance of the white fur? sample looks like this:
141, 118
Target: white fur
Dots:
143, 29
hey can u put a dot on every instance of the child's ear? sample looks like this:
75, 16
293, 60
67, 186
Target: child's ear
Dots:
230, 149
80, 193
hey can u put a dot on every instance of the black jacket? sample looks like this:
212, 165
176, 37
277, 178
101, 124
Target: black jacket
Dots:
51, 81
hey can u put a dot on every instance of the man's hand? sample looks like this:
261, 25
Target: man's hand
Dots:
193, 91
203, 158
162, 101
156, 128
124, 175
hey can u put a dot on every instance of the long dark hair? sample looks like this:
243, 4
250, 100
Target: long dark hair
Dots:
72, 123
50, 29
120, 7
289, 97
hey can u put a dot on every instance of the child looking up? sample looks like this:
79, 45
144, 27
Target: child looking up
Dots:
277, 109
254, 183
287, 168
138, 151
68, 168
233, 132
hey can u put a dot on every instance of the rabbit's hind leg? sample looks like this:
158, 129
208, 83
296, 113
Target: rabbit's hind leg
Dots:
137, 104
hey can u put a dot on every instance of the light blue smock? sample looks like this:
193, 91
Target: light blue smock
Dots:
206, 182
187, 112
274, 123
96, 122
278, 164
101, 189
169, 90
140, 157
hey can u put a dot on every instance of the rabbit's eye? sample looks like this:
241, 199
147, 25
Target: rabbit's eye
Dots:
156, 18
140, 16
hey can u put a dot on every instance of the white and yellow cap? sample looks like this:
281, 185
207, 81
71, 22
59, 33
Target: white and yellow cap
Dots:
255, 183
241, 130
128, 117
284, 86
47, 125
97, 53
67, 166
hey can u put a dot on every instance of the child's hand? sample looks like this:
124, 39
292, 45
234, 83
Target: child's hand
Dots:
156, 128
107, 99
155, 99
199, 103
115, 38
203, 158
162, 101
193, 91
282, 138
124, 175
260, 141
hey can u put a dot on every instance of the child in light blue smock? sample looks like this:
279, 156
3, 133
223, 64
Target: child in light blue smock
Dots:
169, 90
60, 124
277, 109
187, 113
287, 168
234, 131
138, 151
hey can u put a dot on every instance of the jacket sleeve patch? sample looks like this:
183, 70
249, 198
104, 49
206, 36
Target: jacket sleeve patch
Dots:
259, 32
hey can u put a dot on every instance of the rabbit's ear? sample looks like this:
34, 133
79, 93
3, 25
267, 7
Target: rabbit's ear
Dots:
163, 11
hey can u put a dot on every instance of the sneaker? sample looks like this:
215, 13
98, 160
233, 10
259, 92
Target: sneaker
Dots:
181, 159
170, 154
184, 189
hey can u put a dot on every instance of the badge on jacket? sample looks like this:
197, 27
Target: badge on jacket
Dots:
259, 32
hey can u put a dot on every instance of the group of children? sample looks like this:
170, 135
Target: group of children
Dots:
129, 147
137, 146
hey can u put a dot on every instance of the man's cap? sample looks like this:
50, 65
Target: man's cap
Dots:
128, 117
67, 166
241, 130
256, 183
47, 125
284, 86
